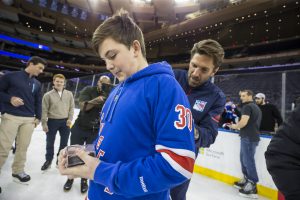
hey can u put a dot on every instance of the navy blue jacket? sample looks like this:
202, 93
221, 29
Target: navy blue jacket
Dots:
19, 84
207, 103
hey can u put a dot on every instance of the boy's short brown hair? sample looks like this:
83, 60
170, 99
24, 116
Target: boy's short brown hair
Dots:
121, 28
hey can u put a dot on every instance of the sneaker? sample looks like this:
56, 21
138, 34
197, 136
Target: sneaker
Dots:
68, 184
249, 190
83, 185
46, 165
240, 184
21, 177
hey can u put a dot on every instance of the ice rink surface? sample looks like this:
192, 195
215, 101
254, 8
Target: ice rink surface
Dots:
49, 185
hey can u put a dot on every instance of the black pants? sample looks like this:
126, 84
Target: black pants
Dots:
81, 136
55, 125
179, 192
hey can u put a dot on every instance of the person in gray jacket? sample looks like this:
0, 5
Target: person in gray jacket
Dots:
57, 115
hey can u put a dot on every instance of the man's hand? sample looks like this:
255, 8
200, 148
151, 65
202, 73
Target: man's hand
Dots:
84, 171
196, 134
36, 122
45, 129
97, 100
234, 126
16, 101
69, 123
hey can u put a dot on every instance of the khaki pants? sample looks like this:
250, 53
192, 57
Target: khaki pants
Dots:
20, 128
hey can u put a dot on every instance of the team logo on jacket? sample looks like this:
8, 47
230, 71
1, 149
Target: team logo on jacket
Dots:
199, 105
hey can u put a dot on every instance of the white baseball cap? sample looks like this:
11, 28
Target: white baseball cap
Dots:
260, 96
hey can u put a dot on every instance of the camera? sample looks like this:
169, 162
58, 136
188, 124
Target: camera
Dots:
72, 159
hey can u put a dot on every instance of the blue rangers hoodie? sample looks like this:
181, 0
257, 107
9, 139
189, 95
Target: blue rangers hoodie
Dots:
145, 142
207, 102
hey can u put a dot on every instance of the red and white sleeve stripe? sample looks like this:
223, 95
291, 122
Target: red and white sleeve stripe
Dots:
181, 160
216, 118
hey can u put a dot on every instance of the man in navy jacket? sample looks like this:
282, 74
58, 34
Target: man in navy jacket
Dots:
20, 94
206, 99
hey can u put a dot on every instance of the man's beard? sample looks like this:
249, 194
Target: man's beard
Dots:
194, 81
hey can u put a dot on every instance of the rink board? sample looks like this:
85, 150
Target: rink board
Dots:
222, 162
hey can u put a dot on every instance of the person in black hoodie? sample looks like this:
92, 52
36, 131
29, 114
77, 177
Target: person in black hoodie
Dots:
270, 114
283, 157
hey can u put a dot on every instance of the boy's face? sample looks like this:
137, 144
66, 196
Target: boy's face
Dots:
59, 83
120, 61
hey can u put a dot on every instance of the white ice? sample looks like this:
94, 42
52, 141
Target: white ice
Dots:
49, 185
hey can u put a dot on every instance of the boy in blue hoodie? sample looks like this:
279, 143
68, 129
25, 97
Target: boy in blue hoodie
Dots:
146, 139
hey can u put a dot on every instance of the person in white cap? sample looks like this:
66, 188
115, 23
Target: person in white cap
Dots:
270, 114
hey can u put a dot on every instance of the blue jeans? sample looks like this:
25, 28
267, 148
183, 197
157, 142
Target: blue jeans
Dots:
247, 153
55, 125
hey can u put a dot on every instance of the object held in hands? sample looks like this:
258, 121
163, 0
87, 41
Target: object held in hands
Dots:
73, 159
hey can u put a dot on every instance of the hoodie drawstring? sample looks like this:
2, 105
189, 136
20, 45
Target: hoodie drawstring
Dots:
113, 104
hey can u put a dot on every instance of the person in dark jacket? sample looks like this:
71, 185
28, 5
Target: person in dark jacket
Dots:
86, 127
283, 157
21, 113
206, 99
270, 114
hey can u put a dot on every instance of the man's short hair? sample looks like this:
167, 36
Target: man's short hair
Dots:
36, 60
59, 76
249, 92
210, 48
121, 28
